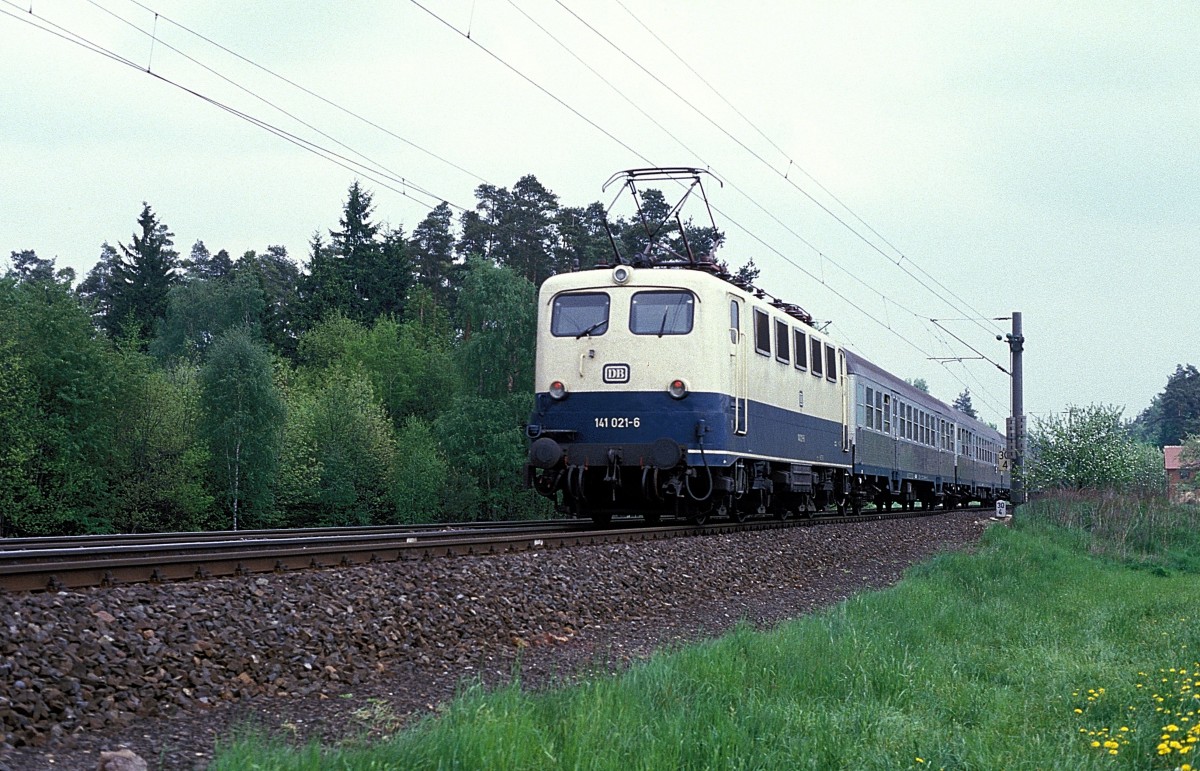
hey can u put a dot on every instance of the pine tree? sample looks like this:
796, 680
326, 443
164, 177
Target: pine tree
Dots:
128, 287
360, 273
203, 265
963, 404
431, 250
1180, 405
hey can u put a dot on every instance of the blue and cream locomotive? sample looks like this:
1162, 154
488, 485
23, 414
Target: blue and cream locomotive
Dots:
675, 389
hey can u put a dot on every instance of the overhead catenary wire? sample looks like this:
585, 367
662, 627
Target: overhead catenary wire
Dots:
761, 207
375, 173
345, 110
901, 256
370, 163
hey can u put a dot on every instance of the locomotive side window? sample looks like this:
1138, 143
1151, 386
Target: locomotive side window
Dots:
781, 341
579, 314
801, 346
662, 313
816, 356
831, 373
735, 321
762, 332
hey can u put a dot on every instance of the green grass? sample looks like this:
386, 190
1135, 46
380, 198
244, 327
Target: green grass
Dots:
973, 662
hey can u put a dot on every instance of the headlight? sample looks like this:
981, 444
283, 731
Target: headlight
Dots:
558, 390
621, 274
678, 389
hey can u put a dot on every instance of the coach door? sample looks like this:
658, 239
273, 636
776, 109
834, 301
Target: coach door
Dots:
739, 368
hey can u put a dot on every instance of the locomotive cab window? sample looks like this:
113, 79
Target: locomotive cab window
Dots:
801, 346
579, 314
662, 313
781, 341
762, 332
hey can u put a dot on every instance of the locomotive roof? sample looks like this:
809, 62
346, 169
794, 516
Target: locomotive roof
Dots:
711, 270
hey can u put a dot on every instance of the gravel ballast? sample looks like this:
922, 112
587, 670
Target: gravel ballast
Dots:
167, 669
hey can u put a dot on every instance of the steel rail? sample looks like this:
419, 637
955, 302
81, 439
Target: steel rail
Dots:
81, 567
121, 539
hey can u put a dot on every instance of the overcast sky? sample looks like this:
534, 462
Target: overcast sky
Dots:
884, 164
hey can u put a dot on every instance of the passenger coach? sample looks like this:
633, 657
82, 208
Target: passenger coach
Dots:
912, 448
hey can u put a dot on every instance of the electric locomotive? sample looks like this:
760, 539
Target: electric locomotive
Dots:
672, 389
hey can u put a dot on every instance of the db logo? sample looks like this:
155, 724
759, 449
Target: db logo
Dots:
616, 373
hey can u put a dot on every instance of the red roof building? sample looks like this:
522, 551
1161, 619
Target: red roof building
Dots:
1178, 471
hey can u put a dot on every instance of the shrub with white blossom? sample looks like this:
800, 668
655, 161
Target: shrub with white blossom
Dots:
1089, 448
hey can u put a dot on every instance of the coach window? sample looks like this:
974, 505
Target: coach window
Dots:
579, 314
781, 341
866, 410
815, 359
762, 332
886, 409
661, 313
831, 373
801, 346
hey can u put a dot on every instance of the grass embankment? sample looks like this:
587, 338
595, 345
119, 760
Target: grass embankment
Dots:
1053, 647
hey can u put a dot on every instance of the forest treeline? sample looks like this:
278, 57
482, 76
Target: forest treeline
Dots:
386, 382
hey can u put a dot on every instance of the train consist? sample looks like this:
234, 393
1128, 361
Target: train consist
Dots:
667, 387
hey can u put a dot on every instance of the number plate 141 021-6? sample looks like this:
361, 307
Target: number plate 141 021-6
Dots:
618, 422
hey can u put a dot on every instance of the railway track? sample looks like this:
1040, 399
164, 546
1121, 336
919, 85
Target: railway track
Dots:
54, 564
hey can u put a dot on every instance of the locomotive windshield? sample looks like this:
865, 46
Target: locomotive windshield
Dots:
661, 313
577, 315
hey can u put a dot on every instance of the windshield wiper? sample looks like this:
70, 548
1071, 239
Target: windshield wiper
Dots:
591, 329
